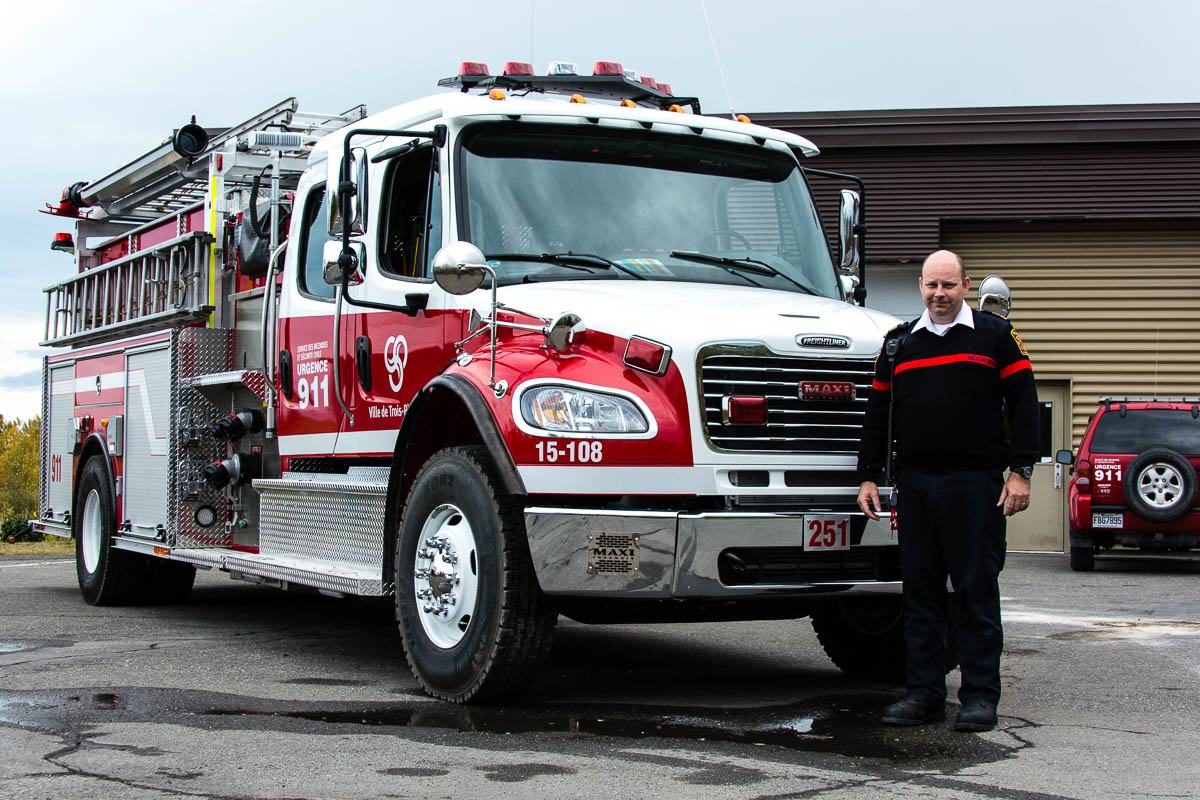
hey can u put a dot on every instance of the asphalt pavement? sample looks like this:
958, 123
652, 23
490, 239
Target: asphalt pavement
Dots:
255, 692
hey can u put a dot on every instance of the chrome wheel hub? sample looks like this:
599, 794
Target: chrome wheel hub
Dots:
445, 575
1160, 485
91, 530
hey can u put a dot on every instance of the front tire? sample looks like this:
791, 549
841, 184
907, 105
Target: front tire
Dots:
864, 636
107, 576
473, 620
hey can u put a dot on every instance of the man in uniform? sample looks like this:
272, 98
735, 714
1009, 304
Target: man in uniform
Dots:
954, 379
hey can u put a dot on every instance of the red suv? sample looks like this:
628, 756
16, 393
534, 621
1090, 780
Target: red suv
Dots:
1134, 479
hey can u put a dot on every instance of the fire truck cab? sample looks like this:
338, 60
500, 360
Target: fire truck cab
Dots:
543, 345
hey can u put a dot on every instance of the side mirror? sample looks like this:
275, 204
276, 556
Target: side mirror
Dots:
563, 330
336, 266
994, 296
848, 221
357, 186
459, 268
1064, 457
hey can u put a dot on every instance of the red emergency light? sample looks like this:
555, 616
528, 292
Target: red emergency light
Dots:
473, 68
665, 88
743, 410
647, 355
650, 82
63, 243
608, 68
517, 68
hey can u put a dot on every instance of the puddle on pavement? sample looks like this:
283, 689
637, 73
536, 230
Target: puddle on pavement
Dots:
25, 645
846, 725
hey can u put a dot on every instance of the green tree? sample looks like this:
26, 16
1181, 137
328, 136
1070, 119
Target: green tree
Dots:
20, 458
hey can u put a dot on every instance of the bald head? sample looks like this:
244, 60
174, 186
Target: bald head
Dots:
941, 259
944, 285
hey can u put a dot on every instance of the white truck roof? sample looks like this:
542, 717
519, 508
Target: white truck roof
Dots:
423, 113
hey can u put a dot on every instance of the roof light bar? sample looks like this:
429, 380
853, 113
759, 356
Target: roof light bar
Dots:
473, 68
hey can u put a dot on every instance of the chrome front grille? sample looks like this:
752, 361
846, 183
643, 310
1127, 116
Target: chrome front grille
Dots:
793, 425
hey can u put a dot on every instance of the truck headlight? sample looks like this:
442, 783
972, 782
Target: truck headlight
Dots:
572, 410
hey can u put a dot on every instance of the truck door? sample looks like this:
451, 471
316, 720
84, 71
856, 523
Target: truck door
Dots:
395, 353
308, 414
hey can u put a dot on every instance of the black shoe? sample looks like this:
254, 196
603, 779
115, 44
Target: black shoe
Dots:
976, 716
914, 710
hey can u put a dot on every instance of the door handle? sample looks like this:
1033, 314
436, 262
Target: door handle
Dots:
285, 373
1058, 476
362, 361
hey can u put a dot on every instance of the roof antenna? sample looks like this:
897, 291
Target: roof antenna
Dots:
717, 56
531, 3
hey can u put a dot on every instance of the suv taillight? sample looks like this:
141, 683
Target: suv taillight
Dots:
1083, 477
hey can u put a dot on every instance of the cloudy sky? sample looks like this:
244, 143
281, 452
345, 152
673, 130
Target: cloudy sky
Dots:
89, 86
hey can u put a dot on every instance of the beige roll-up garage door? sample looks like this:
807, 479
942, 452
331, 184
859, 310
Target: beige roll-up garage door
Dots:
1114, 308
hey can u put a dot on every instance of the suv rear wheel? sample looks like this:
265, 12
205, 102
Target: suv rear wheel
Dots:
1161, 485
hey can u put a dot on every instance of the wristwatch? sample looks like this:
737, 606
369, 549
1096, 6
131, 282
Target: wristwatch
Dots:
1025, 472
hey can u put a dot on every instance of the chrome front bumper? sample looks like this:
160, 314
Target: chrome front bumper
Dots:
657, 554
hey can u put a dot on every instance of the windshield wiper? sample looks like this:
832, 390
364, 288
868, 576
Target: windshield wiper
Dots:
752, 265
582, 261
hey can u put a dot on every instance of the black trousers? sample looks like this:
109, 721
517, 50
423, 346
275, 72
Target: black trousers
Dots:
949, 525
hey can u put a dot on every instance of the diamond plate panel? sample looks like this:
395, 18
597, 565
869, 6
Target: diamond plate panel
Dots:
323, 520
197, 351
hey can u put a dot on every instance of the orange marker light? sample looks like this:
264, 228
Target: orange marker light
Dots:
676, 108
578, 98
742, 118
627, 103
497, 94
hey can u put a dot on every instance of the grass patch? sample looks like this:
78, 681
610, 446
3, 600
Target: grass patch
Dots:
52, 546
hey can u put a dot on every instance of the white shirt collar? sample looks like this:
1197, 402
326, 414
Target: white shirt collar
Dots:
964, 318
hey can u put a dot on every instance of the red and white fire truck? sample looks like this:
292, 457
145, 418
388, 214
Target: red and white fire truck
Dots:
547, 344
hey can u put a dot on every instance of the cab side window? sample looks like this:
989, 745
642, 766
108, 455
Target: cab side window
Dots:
312, 247
411, 215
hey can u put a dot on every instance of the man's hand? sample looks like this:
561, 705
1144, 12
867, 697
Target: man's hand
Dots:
868, 496
1014, 496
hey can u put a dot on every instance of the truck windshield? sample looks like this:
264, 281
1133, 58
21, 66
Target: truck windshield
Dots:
658, 206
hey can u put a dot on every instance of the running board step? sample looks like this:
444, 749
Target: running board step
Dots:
333, 576
321, 530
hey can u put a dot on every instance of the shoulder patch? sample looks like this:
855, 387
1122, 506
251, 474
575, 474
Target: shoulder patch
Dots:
1020, 344
899, 330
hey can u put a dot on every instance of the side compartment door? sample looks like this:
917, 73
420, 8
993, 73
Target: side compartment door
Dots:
144, 456
308, 414
394, 354
59, 443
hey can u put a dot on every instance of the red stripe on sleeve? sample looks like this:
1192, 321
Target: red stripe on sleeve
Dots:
881, 386
941, 361
1015, 367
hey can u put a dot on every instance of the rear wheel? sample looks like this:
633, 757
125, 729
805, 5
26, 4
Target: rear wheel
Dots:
473, 620
1082, 558
107, 576
864, 636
